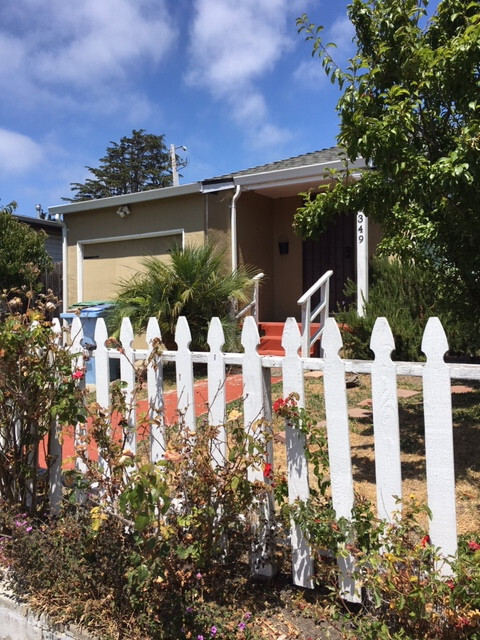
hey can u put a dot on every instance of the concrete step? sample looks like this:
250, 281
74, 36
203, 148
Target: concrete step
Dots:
271, 337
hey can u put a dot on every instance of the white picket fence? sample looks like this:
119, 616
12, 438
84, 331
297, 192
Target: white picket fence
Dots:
257, 401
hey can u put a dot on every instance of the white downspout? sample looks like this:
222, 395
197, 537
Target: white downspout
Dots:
233, 227
64, 268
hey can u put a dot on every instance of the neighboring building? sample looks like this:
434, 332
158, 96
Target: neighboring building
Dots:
53, 245
248, 214
53, 229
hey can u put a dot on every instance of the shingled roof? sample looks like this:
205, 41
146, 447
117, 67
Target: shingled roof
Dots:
307, 159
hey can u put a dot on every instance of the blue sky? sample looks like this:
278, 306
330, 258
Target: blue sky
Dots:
232, 80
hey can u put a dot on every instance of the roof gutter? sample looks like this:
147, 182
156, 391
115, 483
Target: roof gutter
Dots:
292, 175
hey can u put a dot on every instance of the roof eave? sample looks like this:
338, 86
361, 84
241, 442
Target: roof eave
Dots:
127, 199
293, 175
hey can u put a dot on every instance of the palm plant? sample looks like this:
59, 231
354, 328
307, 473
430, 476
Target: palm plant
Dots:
193, 283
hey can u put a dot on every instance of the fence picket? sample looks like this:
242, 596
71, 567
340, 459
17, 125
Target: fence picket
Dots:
102, 373
156, 405
254, 415
297, 466
127, 375
78, 363
257, 412
338, 435
55, 451
184, 367
439, 441
217, 397
388, 472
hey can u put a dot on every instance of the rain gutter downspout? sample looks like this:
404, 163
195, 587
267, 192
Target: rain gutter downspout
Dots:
233, 227
64, 267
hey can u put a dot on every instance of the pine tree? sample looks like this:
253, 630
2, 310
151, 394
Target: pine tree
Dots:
138, 163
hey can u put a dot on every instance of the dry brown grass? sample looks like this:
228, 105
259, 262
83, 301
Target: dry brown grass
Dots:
466, 417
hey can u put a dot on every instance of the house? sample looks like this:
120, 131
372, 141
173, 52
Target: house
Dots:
54, 240
248, 214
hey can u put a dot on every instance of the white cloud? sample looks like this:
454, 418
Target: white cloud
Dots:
269, 136
342, 32
234, 44
18, 153
236, 41
85, 43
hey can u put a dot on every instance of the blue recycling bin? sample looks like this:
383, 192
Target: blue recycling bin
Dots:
88, 312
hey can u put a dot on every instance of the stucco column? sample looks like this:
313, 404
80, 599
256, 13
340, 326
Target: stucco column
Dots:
362, 262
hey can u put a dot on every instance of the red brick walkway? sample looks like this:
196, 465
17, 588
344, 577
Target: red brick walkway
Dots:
234, 390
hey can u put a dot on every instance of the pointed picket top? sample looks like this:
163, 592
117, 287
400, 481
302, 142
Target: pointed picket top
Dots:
101, 333
434, 342
291, 337
183, 336
295, 445
102, 374
155, 393
126, 333
217, 390
338, 435
76, 335
57, 329
184, 374
331, 339
439, 450
153, 330
250, 338
127, 374
215, 336
382, 342
388, 470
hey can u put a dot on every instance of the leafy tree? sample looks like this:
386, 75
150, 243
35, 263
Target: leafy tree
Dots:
138, 163
193, 284
410, 107
23, 257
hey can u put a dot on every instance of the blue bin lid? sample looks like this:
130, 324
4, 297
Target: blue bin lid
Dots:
93, 310
68, 316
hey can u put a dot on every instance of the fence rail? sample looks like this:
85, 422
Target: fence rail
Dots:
257, 399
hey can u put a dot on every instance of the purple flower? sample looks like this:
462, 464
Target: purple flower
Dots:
247, 616
189, 610
199, 576
199, 637
241, 626
213, 630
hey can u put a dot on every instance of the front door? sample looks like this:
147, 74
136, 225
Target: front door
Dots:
335, 250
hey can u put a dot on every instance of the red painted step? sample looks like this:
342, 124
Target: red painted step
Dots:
271, 337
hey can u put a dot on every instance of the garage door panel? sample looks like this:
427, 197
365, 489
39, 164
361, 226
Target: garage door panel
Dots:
106, 264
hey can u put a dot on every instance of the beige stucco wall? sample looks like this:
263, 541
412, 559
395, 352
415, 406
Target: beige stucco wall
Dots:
255, 245
217, 216
120, 258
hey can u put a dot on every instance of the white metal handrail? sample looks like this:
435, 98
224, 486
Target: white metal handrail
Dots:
253, 305
322, 284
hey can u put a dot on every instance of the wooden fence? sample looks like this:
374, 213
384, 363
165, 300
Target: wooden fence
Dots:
257, 400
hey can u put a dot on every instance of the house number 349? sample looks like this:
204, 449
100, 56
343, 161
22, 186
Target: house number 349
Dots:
360, 234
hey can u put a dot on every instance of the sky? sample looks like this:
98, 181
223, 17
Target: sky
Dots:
231, 80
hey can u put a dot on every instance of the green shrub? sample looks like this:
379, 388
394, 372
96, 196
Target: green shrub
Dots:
37, 387
407, 295
193, 283
23, 257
